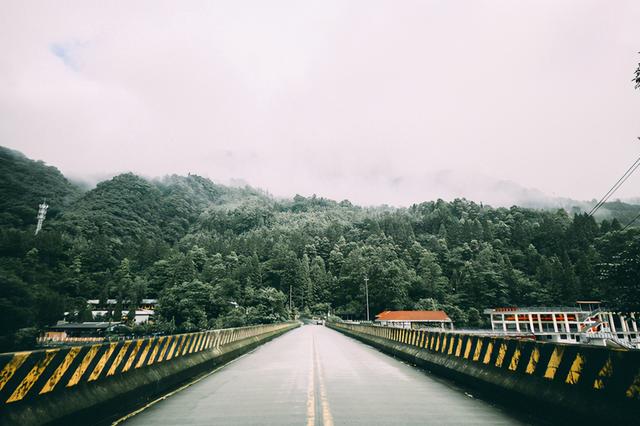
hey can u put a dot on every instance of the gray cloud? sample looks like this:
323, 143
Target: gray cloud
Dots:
375, 101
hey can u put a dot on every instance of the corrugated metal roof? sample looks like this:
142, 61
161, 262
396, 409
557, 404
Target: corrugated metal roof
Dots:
92, 325
413, 316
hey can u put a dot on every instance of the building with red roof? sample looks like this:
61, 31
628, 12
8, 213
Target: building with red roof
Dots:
415, 319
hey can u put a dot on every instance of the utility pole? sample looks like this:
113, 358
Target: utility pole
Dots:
290, 301
366, 292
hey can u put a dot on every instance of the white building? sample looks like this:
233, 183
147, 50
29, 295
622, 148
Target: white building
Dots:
144, 312
587, 323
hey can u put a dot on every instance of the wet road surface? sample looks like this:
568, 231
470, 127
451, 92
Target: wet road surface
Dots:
316, 376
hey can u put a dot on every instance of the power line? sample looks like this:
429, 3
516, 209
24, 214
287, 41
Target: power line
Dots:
631, 222
615, 187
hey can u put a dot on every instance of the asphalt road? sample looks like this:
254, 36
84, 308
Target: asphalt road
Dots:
316, 376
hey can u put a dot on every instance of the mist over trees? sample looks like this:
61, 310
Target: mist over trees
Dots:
216, 256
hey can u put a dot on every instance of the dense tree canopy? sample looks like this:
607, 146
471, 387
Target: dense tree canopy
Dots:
219, 257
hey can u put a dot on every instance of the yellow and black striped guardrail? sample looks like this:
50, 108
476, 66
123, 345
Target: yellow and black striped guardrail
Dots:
612, 374
26, 376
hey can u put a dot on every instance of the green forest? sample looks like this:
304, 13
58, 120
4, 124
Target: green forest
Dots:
218, 256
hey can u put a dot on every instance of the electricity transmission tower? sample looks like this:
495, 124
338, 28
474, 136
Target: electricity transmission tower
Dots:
42, 213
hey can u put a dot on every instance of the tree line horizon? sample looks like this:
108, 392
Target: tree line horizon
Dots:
218, 256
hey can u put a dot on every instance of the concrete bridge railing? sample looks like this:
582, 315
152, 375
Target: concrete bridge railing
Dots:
558, 380
96, 383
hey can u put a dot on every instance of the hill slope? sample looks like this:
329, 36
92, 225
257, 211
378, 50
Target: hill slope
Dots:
25, 183
217, 256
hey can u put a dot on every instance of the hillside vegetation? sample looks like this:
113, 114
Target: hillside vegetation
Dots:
217, 256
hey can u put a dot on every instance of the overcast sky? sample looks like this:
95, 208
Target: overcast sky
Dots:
375, 101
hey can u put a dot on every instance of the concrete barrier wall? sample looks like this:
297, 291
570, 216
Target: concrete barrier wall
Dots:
96, 383
552, 380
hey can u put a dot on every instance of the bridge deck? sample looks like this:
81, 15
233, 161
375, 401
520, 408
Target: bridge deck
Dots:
314, 376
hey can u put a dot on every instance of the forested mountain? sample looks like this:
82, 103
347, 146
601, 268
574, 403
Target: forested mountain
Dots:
219, 256
25, 183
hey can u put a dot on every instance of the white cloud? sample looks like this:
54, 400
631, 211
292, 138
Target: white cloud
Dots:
366, 100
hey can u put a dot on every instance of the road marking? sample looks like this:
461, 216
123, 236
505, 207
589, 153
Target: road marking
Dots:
116, 362
502, 352
605, 372
159, 343
12, 366
327, 418
554, 363
143, 355
576, 369
103, 361
487, 355
83, 365
132, 356
25, 386
311, 394
515, 358
164, 348
62, 368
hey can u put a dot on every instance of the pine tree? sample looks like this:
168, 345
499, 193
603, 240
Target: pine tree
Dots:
305, 282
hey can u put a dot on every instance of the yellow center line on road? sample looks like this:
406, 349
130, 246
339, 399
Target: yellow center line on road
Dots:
327, 418
311, 392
